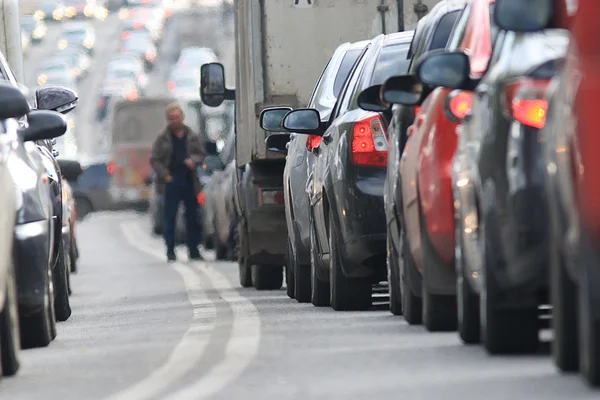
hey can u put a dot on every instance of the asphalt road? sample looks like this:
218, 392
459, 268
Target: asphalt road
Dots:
145, 329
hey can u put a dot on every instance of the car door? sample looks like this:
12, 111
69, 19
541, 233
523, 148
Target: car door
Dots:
8, 205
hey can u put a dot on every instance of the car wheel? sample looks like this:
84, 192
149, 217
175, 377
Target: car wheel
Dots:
319, 295
563, 292
36, 329
73, 254
411, 304
267, 277
10, 341
393, 280
245, 274
589, 324
62, 306
346, 293
289, 269
503, 330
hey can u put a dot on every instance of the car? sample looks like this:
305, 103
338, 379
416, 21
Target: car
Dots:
428, 216
404, 286
91, 188
70, 170
78, 34
36, 29
52, 68
75, 9
136, 24
118, 76
348, 218
498, 185
194, 57
185, 85
77, 60
145, 50
49, 11
296, 172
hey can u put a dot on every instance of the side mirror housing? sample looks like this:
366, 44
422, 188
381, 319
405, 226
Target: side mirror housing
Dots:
271, 119
56, 98
305, 121
370, 99
447, 69
14, 103
403, 89
44, 125
524, 16
212, 85
278, 142
70, 169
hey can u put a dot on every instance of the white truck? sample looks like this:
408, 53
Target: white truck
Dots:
281, 48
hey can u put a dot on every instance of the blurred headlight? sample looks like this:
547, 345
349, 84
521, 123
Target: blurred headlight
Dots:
88, 43
57, 15
42, 79
88, 11
39, 15
37, 33
62, 44
123, 13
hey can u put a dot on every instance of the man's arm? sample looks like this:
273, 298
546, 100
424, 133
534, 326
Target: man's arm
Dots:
157, 158
197, 152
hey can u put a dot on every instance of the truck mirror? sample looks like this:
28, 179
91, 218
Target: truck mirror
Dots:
370, 100
56, 98
212, 84
271, 119
523, 16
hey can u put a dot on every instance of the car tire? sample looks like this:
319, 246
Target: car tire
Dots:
73, 254
10, 340
289, 270
412, 307
467, 306
589, 324
503, 330
347, 294
37, 329
563, 295
319, 289
393, 280
244, 270
267, 277
62, 305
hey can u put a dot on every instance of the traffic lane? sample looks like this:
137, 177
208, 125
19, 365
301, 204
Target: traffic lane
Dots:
129, 311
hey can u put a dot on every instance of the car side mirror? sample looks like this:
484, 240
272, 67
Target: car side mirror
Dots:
70, 169
44, 125
447, 69
56, 98
278, 142
403, 89
370, 99
271, 119
524, 16
14, 103
212, 85
306, 121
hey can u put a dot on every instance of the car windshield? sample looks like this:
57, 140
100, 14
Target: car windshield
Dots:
391, 61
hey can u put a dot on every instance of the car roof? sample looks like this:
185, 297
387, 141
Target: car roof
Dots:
399, 37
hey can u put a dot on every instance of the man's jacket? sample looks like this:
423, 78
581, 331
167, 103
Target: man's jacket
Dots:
160, 157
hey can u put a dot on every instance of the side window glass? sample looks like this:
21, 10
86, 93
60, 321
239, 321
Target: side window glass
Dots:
497, 50
336, 109
318, 85
351, 87
458, 32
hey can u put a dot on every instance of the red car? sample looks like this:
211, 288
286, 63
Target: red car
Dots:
425, 170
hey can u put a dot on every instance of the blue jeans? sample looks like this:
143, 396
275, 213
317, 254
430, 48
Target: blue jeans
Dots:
176, 191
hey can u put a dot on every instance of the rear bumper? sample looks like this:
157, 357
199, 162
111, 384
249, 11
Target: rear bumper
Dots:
32, 245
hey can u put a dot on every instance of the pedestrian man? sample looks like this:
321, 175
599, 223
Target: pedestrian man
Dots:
176, 153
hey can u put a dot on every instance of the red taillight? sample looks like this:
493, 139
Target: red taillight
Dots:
110, 168
125, 34
171, 85
270, 197
100, 102
200, 198
369, 142
416, 110
312, 142
138, 25
458, 104
525, 101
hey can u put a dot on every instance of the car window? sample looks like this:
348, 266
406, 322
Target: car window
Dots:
443, 29
459, 29
391, 61
93, 176
342, 74
350, 88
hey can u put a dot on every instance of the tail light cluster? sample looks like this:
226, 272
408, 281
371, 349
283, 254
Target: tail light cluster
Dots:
312, 142
416, 110
110, 168
458, 105
525, 101
270, 197
200, 198
125, 34
369, 146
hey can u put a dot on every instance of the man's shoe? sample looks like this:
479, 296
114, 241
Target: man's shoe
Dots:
171, 257
195, 256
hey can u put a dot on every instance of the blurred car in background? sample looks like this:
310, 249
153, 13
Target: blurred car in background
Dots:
49, 11
36, 29
75, 9
136, 24
60, 79
142, 48
117, 76
185, 83
78, 34
52, 68
194, 57
25, 42
90, 190
77, 60
110, 94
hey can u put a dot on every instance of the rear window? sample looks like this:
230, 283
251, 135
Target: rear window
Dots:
442, 32
345, 67
392, 61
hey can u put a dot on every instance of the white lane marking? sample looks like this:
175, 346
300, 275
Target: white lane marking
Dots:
243, 343
192, 345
